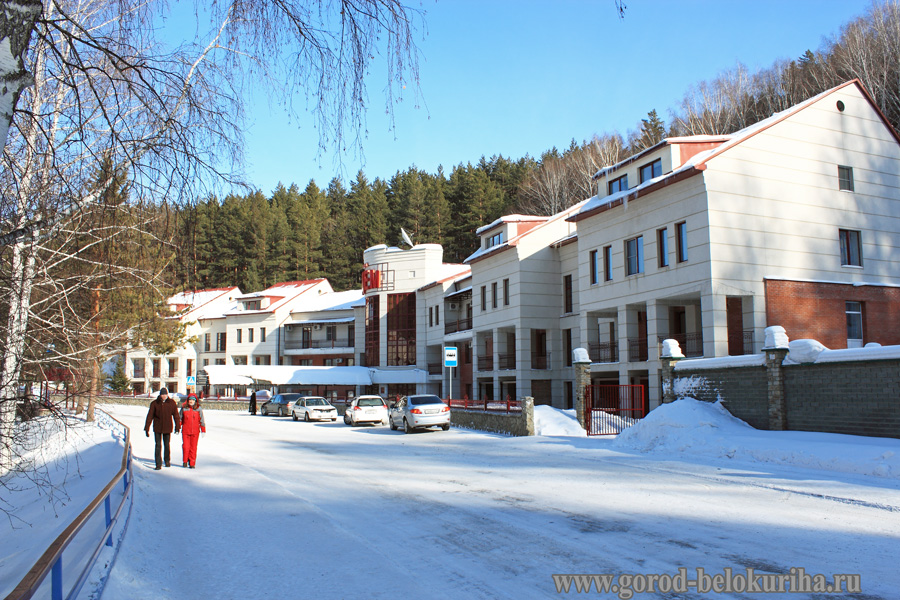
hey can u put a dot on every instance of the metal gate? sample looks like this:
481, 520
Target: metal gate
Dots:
611, 408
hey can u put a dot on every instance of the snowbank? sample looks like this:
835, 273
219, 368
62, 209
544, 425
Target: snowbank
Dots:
701, 428
553, 421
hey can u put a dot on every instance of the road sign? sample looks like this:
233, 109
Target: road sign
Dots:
450, 356
191, 380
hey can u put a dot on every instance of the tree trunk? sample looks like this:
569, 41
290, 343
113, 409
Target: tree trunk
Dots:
17, 19
22, 279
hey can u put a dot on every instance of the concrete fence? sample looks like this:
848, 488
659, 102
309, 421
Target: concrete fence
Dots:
519, 423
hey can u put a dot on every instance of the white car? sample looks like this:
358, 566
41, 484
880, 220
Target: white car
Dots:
366, 409
313, 408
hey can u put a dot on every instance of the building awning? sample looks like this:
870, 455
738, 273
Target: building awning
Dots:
294, 375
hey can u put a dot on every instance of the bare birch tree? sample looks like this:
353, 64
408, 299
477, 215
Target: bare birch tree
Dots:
105, 88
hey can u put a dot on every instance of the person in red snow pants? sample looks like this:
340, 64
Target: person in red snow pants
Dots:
192, 425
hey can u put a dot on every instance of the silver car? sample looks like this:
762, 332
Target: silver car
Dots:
280, 405
366, 409
313, 408
419, 411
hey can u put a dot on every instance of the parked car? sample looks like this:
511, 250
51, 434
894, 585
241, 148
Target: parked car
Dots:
366, 409
281, 405
313, 408
419, 411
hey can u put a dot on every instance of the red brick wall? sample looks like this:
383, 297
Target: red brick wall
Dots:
818, 311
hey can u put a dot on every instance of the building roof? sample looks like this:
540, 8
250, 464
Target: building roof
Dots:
698, 163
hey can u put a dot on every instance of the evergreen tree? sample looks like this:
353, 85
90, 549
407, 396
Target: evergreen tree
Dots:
118, 381
653, 131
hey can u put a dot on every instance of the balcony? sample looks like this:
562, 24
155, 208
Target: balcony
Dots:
138, 374
485, 363
604, 352
506, 361
637, 349
540, 362
316, 344
691, 343
435, 368
458, 325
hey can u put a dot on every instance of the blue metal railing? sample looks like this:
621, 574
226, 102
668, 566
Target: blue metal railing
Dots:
51, 562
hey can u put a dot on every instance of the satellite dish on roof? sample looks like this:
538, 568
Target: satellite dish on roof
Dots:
406, 237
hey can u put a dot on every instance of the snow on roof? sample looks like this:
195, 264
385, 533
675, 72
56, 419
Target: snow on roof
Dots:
800, 352
514, 241
294, 375
201, 302
699, 160
331, 301
510, 219
280, 293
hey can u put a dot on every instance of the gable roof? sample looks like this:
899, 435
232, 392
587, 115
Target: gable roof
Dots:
698, 163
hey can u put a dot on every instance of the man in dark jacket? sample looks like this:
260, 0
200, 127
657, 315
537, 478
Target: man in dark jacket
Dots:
163, 414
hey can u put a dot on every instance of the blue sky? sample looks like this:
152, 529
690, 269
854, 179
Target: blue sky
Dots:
517, 77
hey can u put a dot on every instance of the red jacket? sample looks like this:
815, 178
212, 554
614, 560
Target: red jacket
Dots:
192, 422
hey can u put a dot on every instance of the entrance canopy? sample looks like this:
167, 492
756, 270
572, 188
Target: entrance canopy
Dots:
294, 375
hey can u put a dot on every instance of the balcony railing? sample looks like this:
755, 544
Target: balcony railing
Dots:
540, 362
637, 349
458, 325
748, 341
435, 368
138, 374
691, 343
311, 344
485, 363
604, 352
506, 361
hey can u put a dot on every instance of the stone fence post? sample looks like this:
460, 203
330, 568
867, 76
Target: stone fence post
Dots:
582, 364
776, 350
528, 414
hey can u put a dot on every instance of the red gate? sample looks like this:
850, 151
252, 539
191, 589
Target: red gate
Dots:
608, 409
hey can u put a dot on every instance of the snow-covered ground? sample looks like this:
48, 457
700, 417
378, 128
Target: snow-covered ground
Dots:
303, 510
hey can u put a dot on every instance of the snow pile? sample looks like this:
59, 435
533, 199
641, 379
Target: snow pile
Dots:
804, 351
64, 465
553, 421
701, 428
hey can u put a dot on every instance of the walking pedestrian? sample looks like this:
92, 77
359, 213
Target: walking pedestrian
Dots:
253, 403
163, 415
192, 426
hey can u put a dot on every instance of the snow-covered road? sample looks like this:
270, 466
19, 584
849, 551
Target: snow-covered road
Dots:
280, 509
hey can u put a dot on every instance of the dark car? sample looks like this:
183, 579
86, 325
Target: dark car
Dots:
280, 405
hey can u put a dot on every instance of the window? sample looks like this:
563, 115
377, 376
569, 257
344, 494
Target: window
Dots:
651, 170
220, 342
494, 240
494, 295
851, 251
437, 314
845, 178
662, 246
634, 255
220, 361
173, 366
567, 340
431, 316
190, 367
618, 185
567, 294
854, 324
331, 332
594, 266
238, 336
154, 365
206, 342
607, 263
506, 292
262, 334
681, 241
250, 334
483, 298
239, 360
